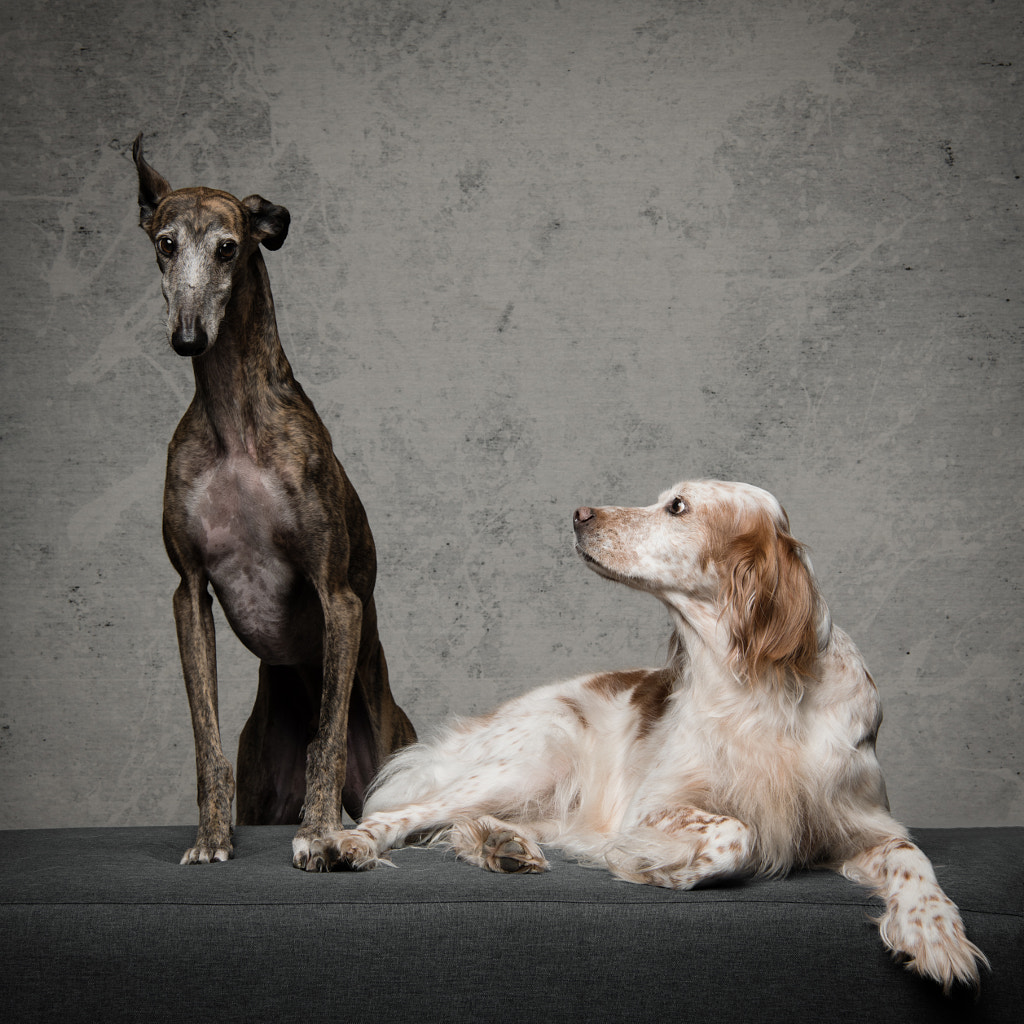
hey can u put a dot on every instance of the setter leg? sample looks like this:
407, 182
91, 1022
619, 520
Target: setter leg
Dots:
920, 923
681, 848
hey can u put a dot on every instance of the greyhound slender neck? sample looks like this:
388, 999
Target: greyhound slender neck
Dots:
243, 377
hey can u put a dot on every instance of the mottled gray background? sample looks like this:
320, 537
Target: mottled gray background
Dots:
542, 254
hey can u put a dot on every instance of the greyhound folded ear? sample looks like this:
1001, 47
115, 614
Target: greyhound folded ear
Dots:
152, 186
269, 222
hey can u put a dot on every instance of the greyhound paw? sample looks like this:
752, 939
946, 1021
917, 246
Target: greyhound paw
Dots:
341, 850
208, 853
301, 854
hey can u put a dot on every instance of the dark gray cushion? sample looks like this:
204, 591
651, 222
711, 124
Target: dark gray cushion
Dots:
104, 925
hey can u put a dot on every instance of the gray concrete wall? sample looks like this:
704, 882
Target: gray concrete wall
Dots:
542, 254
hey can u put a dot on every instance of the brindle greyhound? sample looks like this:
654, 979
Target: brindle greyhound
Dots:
257, 504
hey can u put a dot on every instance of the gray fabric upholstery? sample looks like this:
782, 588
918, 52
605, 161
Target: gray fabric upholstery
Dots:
104, 925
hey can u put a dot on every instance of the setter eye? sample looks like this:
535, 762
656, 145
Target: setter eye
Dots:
227, 249
166, 245
677, 506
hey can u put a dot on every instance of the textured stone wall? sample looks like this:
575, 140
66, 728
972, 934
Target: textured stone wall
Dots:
542, 254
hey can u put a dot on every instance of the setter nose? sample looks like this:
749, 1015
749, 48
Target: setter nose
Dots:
582, 515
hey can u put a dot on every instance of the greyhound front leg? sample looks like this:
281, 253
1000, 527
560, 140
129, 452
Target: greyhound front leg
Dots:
215, 783
326, 757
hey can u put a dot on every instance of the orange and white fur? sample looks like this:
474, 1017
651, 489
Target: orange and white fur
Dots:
751, 752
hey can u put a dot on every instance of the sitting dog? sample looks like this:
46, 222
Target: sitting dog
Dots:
751, 752
257, 506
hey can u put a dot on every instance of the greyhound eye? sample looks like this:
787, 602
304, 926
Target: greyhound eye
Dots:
227, 249
677, 507
166, 245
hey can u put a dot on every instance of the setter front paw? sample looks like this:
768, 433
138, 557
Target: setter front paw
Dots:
930, 936
337, 850
496, 846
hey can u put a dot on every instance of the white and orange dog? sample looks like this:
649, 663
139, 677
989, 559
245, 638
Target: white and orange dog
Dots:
751, 752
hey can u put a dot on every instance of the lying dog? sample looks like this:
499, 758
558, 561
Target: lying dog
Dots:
257, 506
751, 752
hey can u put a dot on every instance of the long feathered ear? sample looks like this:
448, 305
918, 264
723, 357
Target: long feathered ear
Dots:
152, 186
771, 603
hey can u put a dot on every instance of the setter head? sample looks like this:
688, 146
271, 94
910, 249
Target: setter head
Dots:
718, 553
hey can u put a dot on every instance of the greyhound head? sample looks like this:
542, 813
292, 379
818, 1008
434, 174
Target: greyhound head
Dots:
204, 240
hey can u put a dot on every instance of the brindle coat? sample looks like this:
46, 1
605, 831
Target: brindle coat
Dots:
257, 506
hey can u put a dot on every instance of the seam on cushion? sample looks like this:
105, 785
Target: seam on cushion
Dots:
868, 904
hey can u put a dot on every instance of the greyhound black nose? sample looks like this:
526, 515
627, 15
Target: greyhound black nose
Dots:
582, 515
189, 338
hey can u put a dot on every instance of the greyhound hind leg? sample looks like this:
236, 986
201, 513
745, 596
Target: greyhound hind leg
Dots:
271, 777
377, 727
